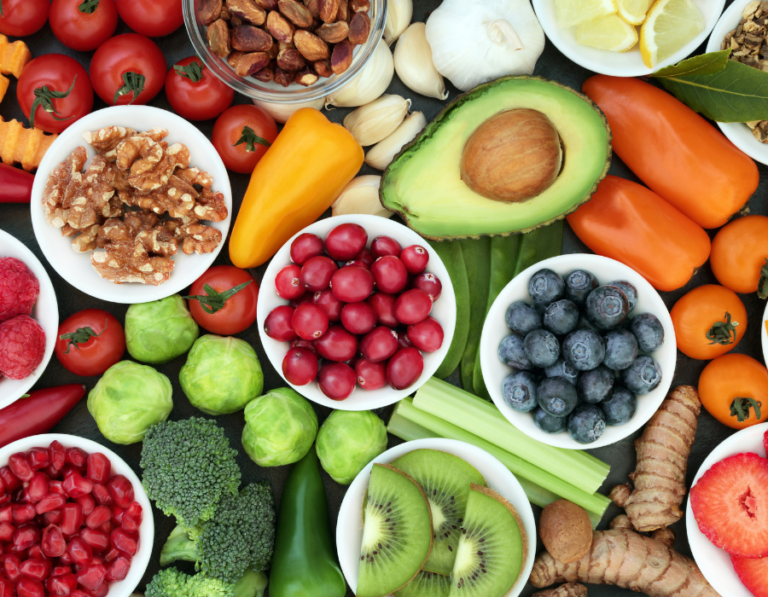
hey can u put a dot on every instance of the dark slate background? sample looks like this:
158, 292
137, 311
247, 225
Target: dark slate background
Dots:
553, 65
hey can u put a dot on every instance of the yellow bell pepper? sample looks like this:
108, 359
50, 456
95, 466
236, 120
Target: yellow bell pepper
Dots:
299, 177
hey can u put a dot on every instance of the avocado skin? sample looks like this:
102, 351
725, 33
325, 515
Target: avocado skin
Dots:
420, 221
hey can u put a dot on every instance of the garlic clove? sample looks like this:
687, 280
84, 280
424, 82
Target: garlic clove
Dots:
373, 122
399, 13
361, 196
282, 112
413, 63
369, 83
381, 155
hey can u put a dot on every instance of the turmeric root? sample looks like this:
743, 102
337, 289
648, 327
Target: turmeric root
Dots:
628, 560
13, 57
25, 146
662, 459
567, 590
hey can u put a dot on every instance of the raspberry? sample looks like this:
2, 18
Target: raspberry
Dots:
18, 288
22, 346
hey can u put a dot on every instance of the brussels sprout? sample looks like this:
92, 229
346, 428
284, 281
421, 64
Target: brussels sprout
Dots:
347, 441
280, 428
128, 400
221, 375
159, 331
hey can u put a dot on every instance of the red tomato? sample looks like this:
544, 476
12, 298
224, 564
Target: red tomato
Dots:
194, 92
83, 24
242, 136
238, 311
90, 342
153, 18
128, 69
54, 91
19, 18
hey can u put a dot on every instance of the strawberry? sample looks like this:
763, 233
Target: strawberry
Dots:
730, 503
753, 574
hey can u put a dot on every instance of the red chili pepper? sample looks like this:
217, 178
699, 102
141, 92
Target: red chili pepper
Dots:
15, 185
39, 413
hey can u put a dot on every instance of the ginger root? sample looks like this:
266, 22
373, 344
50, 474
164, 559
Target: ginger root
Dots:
662, 459
567, 590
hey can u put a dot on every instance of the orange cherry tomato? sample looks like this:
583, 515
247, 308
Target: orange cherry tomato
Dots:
734, 389
739, 254
709, 321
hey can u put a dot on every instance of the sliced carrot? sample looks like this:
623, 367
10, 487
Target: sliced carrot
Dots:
21, 145
13, 56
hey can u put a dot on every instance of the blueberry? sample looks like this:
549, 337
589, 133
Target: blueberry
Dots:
643, 375
561, 317
511, 352
586, 423
548, 423
519, 390
546, 286
584, 349
629, 291
649, 332
620, 349
522, 318
607, 307
562, 369
542, 348
584, 324
578, 284
619, 407
595, 385
557, 396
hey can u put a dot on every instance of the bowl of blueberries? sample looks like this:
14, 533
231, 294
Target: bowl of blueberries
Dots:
578, 350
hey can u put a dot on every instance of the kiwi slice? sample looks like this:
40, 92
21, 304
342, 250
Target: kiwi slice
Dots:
426, 584
492, 547
445, 479
397, 533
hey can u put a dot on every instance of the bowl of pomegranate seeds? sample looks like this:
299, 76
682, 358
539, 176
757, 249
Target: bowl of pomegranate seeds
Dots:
356, 312
74, 519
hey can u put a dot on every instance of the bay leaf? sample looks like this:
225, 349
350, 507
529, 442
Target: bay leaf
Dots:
705, 64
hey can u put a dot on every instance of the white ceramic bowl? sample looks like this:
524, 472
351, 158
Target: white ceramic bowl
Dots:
349, 528
626, 64
45, 312
738, 132
605, 270
714, 562
444, 311
76, 268
140, 561
764, 334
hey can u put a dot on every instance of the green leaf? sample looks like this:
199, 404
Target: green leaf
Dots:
706, 64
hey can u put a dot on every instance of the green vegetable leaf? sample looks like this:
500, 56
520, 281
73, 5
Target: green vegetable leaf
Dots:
706, 64
89, 6
132, 83
250, 138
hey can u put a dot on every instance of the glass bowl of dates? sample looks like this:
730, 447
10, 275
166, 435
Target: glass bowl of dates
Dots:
285, 51
578, 351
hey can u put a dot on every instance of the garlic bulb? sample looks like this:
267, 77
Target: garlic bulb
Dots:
369, 83
282, 112
399, 13
381, 155
413, 63
360, 196
475, 41
377, 120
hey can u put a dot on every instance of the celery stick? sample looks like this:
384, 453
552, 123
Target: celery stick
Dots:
473, 414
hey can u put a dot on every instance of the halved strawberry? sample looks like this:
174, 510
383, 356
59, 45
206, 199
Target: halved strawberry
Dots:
730, 503
753, 574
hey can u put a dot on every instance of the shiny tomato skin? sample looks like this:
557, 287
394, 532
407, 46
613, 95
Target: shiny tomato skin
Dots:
98, 353
203, 100
153, 18
23, 17
126, 53
57, 72
80, 30
239, 313
229, 129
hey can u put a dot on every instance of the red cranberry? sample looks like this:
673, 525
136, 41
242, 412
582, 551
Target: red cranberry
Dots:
53, 543
57, 456
304, 298
49, 503
92, 577
337, 380
20, 466
309, 321
88, 502
352, 284
426, 335
77, 457
370, 375
404, 368
308, 344
403, 341
10, 481
379, 344
366, 257
358, 318
412, 306
329, 303
36, 569
278, 326
300, 366
317, 272
38, 458
415, 258
288, 283
71, 518
28, 587
101, 495
118, 569
121, 490
305, 246
390, 274
38, 487
385, 245
430, 284
337, 344
356, 263
384, 306
346, 241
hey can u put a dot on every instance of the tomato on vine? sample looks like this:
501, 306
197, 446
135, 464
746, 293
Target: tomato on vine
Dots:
90, 342
734, 389
19, 18
242, 135
194, 92
83, 25
223, 300
153, 18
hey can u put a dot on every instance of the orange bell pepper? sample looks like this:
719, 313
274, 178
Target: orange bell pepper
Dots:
673, 150
629, 223
301, 174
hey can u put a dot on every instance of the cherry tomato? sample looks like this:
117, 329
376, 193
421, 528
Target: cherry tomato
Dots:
242, 135
232, 312
83, 24
19, 18
153, 18
734, 389
739, 254
90, 342
709, 321
54, 91
128, 69
194, 92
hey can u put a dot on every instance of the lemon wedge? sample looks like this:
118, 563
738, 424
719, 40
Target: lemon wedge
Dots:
573, 12
670, 25
610, 33
633, 11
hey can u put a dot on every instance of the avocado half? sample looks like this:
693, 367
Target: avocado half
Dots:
423, 183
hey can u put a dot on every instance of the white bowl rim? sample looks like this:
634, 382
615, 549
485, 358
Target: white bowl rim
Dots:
497, 476
764, 334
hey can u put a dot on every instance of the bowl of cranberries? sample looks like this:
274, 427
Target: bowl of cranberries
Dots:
356, 312
74, 520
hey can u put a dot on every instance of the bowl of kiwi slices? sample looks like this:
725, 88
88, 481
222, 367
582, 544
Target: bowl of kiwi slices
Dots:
475, 528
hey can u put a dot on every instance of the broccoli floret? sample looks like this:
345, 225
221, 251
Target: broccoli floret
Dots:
188, 467
174, 583
252, 584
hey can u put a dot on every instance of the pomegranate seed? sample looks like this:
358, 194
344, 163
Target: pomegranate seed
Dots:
79, 551
430, 284
36, 552
25, 537
337, 344
76, 486
308, 344
65, 559
99, 468
111, 555
6, 588
88, 503
299, 368
68, 471
366, 257
107, 527
124, 541
390, 274
98, 517
20, 466
415, 259
357, 263
71, 518
62, 585
77, 457
10, 481
5, 513
101, 495
38, 458
12, 566
22, 513
118, 569
352, 284
92, 577
317, 272
6, 532
53, 543
96, 538
52, 517
52, 501
385, 245
379, 344
5, 499
358, 318
404, 368
288, 283
117, 514
426, 335
57, 456
132, 518
305, 246
370, 375
309, 321
36, 569
101, 591
412, 306
278, 326
61, 570
328, 303
337, 380
28, 587
121, 490
56, 487
37, 488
